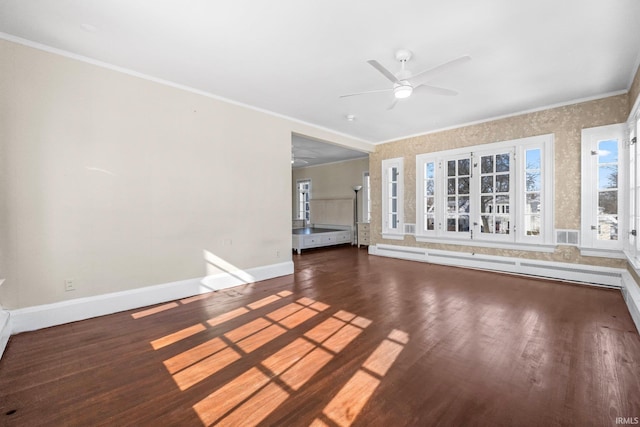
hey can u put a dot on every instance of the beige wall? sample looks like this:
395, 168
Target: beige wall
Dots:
119, 182
564, 122
335, 180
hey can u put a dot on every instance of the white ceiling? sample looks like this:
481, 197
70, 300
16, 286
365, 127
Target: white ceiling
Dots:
295, 58
308, 152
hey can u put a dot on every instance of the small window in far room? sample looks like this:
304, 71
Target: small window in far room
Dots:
303, 190
366, 198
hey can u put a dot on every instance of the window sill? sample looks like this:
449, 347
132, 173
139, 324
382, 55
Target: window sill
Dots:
392, 236
633, 262
489, 244
603, 253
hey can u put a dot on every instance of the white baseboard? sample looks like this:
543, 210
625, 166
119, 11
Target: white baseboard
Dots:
43, 316
579, 273
5, 330
631, 295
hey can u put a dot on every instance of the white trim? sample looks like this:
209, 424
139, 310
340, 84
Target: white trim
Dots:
366, 155
5, 330
506, 116
101, 64
636, 67
393, 236
631, 295
487, 244
42, 316
568, 272
603, 253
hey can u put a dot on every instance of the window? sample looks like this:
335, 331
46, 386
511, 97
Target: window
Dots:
303, 190
392, 198
501, 193
366, 198
458, 182
495, 195
632, 246
602, 213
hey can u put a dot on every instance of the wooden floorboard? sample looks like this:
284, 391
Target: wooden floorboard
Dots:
349, 339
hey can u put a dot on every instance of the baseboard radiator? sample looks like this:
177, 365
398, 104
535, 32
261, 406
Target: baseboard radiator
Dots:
577, 273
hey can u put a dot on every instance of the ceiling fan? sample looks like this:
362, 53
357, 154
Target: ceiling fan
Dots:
405, 82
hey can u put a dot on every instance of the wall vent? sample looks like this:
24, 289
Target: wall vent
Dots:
567, 237
410, 229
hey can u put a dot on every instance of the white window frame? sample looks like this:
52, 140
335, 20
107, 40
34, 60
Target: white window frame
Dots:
517, 238
632, 243
298, 201
389, 232
590, 245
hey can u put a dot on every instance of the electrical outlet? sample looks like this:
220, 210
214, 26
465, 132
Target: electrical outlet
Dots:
69, 285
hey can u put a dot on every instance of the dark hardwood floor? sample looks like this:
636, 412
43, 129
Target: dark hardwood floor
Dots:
349, 339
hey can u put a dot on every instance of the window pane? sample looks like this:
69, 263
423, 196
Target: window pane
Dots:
451, 204
486, 204
430, 170
394, 205
451, 168
487, 225
463, 223
463, 167
463, 204
451, 186
608, 228
430, 188
502, 225
502, 203
486, 164
533, 180
430, 223
532, 159
532, 225
463, 185
502, 162
394, 189
451, 224
394, 174
608, 151
394, 221
608, 176
533, 203
486, 184
430, 204
608, 202
502, 183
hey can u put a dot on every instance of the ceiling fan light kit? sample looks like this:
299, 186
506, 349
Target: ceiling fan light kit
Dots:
402, 91
404, 82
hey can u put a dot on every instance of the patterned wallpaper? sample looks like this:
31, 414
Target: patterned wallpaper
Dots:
565, 122
634, 91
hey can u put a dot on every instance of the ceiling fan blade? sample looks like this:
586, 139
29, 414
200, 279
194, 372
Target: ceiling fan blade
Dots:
393, 104
424, 76
436, 90
366, 92
388, 74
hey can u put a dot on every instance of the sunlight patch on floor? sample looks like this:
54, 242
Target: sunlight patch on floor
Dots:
343, 409
287, 370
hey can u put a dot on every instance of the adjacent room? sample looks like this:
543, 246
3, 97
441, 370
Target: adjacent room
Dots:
331, 214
